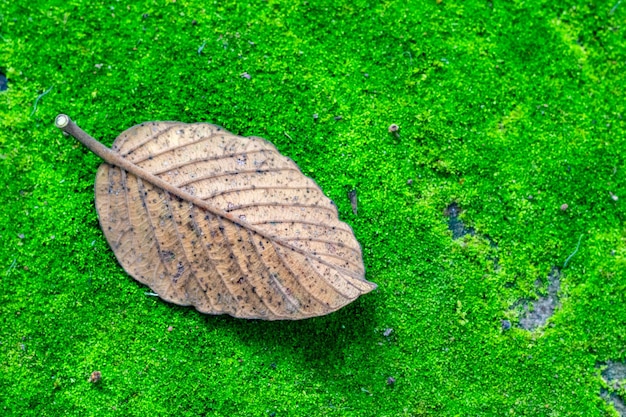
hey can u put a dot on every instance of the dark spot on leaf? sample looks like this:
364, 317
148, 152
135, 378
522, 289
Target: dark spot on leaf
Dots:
168, 256
180, 268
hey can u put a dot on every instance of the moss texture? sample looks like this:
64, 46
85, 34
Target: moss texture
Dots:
508, 109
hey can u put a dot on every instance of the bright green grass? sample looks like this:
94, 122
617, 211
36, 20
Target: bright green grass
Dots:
496, 102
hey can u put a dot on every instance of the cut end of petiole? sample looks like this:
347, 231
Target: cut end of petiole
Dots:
62, 121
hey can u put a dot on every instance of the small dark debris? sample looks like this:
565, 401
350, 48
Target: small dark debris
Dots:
455, 225
393, 129
194, 22
353, 201
391, 380
543, 308
4, 83
95, 377
273, 365
387, 332
145, 15
506, 325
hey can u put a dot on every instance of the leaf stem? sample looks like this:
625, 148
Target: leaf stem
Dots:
111, 157
67, 125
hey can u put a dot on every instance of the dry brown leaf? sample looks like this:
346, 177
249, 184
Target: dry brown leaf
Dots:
222, 222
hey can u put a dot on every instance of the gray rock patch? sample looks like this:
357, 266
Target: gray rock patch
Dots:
455, 224
536, 313
615, 371
615, 377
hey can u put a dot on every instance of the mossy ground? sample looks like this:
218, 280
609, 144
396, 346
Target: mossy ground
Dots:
509, 109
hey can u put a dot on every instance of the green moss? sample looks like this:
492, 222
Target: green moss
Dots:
510, 110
